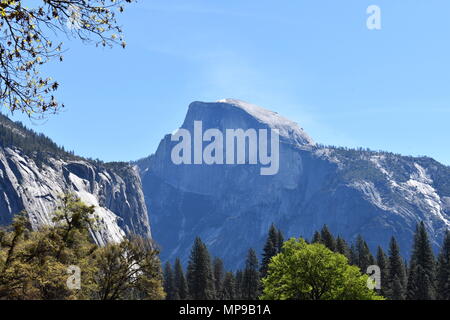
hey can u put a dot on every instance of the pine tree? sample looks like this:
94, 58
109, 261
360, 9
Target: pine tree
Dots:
397, 290
395, 286
382, 263
443, 272
365, 258
280, 241
271, 249
200, 278
317, 238
422, 268
250, 281
169, 282
218, 274
372, 260
342, 248
239, 284
180, 282
327, 238
353, 255
229, 287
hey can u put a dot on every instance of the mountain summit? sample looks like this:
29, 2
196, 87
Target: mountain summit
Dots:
236, 108
231, 207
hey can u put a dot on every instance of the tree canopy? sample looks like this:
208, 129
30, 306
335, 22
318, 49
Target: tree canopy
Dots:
35, 264
200, 277
313, 272
421, 276
28, 39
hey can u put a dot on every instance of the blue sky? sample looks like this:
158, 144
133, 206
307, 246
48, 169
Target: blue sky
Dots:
314, 62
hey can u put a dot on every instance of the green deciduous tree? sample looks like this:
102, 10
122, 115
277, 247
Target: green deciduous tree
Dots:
130, 269
35, 264
313, 272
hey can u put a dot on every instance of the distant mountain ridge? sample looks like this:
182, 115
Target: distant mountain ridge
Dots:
375, 194
34, 171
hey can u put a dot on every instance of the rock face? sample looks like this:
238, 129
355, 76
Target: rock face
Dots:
33, 180
231, 207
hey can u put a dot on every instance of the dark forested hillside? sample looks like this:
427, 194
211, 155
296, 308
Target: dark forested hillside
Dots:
33, 144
